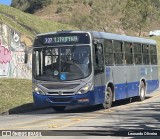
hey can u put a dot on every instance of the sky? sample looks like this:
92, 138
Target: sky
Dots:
5, 2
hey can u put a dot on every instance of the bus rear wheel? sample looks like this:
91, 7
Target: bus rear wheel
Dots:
142, 92
59, 108
108, 99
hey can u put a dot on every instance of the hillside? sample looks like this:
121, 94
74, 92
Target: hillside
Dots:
128, 17
17, 31
28, 24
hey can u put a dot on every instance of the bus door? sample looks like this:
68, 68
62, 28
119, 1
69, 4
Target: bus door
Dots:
99, 73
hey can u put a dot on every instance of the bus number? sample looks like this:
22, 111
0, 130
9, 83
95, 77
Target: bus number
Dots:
48, 40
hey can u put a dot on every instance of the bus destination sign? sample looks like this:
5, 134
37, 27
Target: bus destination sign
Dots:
64, 39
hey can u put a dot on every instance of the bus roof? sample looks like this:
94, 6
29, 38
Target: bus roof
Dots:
104, 35
122, 37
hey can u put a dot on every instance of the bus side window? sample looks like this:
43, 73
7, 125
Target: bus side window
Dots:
145, 51
99, 62
128, 53
119, 52
153, 54
108, 52
137, 53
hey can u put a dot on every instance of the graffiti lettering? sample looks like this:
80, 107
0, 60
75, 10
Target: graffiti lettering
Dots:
13, 49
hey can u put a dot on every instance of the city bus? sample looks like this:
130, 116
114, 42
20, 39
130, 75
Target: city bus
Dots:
73, 68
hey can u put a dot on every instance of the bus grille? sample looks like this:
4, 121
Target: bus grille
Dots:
62, 86
57, 93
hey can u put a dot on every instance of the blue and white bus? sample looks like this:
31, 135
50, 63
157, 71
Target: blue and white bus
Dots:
91, 68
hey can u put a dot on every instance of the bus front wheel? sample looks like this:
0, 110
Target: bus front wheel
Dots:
141, 96
59, 108
108, 99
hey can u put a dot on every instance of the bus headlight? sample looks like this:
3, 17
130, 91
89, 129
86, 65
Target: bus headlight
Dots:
85, 88
38, 90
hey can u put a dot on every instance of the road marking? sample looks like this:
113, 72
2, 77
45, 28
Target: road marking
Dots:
76, 119
51, 120
37, 121
72, 123
45, 125
53, 126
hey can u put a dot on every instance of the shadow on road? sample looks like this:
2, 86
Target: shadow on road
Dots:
30, 108
138, 118
145, 119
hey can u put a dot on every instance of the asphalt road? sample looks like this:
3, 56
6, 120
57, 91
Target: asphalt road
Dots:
123, 116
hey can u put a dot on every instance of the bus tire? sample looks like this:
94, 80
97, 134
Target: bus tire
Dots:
141, 96
108, 99
59, 108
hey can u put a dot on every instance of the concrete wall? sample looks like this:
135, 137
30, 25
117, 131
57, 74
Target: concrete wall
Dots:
15, 54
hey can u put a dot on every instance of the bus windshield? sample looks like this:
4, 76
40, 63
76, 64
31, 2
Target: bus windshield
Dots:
64, 63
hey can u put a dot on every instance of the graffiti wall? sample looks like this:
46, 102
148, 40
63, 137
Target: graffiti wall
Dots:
15, 54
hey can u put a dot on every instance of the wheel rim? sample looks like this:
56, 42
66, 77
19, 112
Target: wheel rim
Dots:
142, 92
108, 97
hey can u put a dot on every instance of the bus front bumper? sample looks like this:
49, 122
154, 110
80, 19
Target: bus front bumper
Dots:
62, 100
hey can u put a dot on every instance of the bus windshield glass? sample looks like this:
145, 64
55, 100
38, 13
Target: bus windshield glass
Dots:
64, 63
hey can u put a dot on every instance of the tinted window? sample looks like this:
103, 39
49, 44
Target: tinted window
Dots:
154, 59
119, 59
145, 54
108, 46
109, 58
128, 53
137, 53
153, 54
118, 49
146, 60
138, 58
128, 47
137, 48
99, 61
109, 55
118, 46
128, 58
153, 49
145, 48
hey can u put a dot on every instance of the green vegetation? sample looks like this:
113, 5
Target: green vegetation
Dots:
157, 39
30, 6
140, 14
14, 92
130, 17
28, 24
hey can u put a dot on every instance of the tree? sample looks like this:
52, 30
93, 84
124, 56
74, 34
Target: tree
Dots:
137, 14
